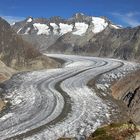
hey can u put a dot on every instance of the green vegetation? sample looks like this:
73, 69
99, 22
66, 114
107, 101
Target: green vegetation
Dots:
115, 131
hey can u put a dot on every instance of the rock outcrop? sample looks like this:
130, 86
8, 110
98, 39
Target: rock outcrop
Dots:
128, 90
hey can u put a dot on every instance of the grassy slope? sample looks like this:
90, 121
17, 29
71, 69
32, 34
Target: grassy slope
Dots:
115, 131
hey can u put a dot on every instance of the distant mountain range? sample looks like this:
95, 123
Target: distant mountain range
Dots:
81, 34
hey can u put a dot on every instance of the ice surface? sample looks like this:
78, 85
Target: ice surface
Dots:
36, 100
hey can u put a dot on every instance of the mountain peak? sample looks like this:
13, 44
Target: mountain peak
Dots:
79, 16
79, 24
56, 19
29, 19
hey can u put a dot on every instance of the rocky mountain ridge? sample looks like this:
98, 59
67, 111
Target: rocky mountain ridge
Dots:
43, 33
78, 25
81, 34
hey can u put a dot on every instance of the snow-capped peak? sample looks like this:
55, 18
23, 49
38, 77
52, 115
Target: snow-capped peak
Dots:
29, 19
99, 24
80, 28
77, 25
79, 14
42, 28
65, 28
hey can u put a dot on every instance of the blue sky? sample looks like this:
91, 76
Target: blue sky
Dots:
122, 12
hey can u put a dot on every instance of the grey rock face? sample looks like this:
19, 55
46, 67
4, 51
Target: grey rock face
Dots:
118, 43
132, 99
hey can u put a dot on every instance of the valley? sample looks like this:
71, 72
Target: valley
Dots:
58, 103
68, 77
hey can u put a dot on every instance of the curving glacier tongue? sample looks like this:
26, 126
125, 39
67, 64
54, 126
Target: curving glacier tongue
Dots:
50, 104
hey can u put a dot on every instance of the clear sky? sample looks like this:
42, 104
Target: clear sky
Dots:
122, 12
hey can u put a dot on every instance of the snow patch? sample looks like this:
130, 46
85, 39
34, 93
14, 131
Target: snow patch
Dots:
116, 27
29, 20
42, 28
99, 24
55, 28
27, 31
13, 24
65, 28
81, 28
19, 30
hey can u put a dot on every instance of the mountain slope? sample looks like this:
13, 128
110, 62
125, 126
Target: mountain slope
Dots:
122, 43
81, 34
17, 53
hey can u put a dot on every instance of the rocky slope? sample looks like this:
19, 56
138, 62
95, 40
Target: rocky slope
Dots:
128, 90
17, 53
81, 34
124, 89
120, 43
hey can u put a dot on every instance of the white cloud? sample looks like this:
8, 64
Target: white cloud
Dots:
130, 18
133, 14
12, 19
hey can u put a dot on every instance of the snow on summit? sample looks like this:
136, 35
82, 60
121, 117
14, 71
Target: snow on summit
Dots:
65, 28
78, 25
55, 28
99, 24
81, 28
42, 28
29, 20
